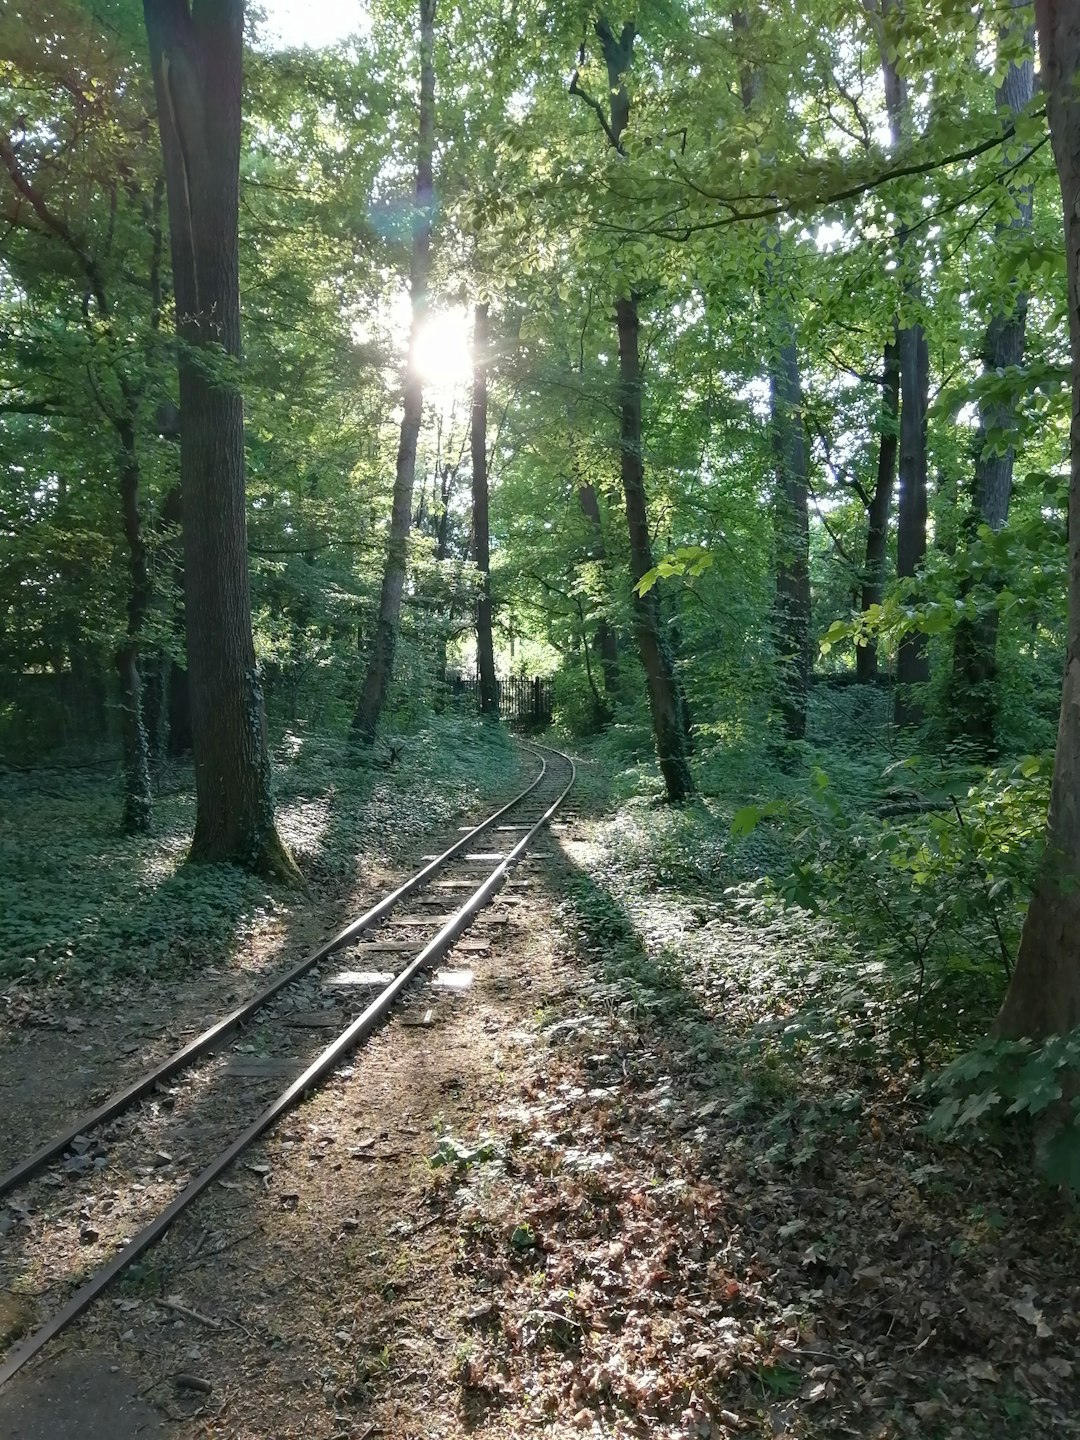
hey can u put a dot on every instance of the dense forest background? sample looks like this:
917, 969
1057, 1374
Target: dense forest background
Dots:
713, 362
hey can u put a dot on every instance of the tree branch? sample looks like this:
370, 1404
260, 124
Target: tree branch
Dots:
594, 105
851, 192
53, 223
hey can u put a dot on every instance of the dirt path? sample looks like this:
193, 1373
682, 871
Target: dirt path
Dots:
540, 1214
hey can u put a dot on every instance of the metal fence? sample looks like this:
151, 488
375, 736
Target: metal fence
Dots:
524, 700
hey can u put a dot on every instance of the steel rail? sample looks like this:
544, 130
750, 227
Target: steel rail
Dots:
122, 1100
358, 1030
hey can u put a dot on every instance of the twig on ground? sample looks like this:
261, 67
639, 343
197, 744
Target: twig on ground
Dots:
190, 1314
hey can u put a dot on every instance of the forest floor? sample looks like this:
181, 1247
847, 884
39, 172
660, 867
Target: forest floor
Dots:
596, 1198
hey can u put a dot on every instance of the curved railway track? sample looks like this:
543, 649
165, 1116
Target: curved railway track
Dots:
399, 947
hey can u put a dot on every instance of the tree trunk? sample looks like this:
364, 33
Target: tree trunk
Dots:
380, 669
670, 720
138, 815
1044, 993
155, 678
792, 617
176, 693
605, 640
973, 707
197, 59
791, 610
912, 660
485, 650
668, 715
877, 516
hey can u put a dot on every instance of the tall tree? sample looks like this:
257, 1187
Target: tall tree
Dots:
42, 200
380, 669
1044, 993
913, 360
485, 651
791, 620
196, 51
666, 703
972, 712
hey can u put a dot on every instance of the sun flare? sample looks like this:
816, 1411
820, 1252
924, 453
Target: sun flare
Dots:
444, 350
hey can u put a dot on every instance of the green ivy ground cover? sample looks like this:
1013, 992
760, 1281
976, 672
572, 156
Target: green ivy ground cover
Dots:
79, 902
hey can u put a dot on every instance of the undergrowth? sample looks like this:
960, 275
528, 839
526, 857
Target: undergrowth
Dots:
81, 903
852, 914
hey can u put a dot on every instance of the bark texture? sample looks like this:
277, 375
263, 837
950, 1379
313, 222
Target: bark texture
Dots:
973, 708
1044, 993
196, 51
485, 649
380, 668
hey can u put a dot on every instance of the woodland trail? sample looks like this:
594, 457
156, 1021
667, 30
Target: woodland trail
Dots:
551, 1212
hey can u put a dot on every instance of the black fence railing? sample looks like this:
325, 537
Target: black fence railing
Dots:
524, 700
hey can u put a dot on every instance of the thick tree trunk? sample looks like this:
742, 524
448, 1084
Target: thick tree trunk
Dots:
877, 516
138, 815
197, 62
668, 714
792, 618
1044, 993
485, 650
380, 669
973, 707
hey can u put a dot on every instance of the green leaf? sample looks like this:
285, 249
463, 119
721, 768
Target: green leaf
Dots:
746, 820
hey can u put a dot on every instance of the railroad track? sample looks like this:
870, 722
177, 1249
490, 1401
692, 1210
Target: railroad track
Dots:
391, 949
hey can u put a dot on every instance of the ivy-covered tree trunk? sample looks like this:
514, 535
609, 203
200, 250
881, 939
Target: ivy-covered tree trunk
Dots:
665, 704
197, 52
485, 649
138, 799
605, 639
177, 690
1044, 994
380, 668
877, 514
973, 702
912, 659
792, 618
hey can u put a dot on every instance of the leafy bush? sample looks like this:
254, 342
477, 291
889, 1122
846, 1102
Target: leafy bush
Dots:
1002, 1078
932, 881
